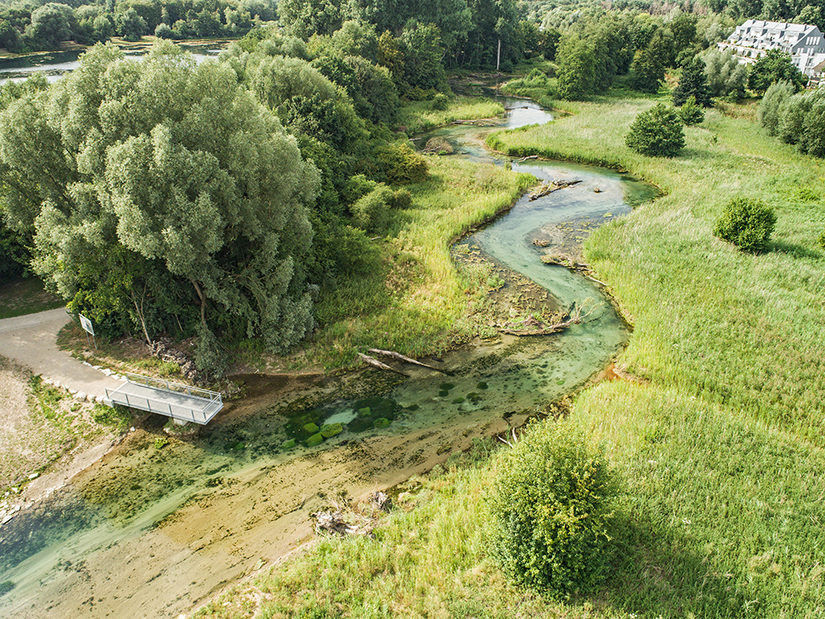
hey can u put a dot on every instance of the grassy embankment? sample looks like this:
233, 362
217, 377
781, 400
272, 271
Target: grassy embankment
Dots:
419, 116
719, 447
418, 302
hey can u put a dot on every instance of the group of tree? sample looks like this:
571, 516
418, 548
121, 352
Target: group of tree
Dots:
212, 200
795, 117
216, 200
466, 33
794, 11
28, 27
593, 51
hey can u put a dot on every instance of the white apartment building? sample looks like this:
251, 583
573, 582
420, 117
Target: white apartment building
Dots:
803, 42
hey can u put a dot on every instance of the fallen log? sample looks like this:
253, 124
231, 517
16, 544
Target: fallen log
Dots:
399, 357
480, 122
528, 157
548, 188
556, 328
574, 318
377, 364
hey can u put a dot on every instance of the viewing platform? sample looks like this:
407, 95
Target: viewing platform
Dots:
159, 396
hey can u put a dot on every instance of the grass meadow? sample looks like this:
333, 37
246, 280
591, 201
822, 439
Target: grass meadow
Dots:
719, 444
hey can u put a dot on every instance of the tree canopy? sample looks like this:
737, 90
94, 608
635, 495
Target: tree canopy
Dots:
162, 190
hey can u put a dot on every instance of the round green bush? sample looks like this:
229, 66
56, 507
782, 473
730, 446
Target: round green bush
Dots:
746, 223
550, 509
657, 132
440, 101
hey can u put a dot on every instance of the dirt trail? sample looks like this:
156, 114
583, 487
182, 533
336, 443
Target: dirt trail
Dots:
31, 340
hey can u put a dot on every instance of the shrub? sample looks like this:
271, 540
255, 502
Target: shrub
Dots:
401, 199
550, 509
657, 132
726, 77
746, 223
163, 31
440, 101
401, 164
693, 83
372, 211
690, 113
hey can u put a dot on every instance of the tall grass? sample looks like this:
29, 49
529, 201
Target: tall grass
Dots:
719, 447
734, 328
415, 302
419, 116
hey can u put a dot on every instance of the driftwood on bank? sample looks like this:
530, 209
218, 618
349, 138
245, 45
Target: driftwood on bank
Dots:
479, 122
333, 522
547, 188
574, 318
399, 357
528, 157
378, 364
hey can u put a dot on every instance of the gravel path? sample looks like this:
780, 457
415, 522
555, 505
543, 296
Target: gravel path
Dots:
31, 340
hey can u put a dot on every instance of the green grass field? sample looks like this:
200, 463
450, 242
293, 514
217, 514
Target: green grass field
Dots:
719, 446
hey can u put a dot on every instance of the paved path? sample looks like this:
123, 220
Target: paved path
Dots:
31, 340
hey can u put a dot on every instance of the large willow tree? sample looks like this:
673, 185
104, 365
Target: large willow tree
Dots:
160, 193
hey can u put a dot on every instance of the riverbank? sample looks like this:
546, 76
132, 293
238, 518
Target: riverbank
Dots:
230, 498
719, 446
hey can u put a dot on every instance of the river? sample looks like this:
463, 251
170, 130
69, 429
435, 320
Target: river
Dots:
155, 528
54, 65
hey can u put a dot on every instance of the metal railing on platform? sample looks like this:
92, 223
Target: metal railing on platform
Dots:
194, 404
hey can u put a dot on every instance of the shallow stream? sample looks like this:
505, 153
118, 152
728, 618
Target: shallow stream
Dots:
155, 528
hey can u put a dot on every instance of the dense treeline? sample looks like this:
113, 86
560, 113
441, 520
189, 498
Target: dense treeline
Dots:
563, 13
596, 49
795, 117
28, 27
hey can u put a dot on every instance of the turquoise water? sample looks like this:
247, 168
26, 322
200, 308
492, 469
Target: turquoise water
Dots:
127, 496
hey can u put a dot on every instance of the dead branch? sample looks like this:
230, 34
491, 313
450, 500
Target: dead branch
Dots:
377, 364
479, 122
399, 357
548, 188
574, 318
596, 280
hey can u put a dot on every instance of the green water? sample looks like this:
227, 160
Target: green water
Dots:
129, 495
